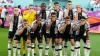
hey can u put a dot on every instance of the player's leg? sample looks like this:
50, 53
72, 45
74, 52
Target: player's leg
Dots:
86, 46
77, 46
39, 38
72, 40
10, 38
16, 41
33, 37
56, 45
60, 44
65, 46
47, 40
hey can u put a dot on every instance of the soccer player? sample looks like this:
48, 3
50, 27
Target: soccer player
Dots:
15, 20
82, 32
60, 14
79, 12
52, 30
65, 29
30, 15
69, 11
23, 31
3, 15
60, 17
36, 32
77, 16
44, 13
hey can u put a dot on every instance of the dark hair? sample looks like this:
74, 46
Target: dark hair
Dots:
19, 6
30, 5
5, 6
43, 4
68, 17
83, 17
69, 1
53, 13
56, 3
25, 20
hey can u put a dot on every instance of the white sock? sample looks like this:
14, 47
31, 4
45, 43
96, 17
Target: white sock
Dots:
47, 49
76, 53
79, 54
72, 50
14, 49
53, 48
32, 47
28, 49
56, 50
60, 50
88, 49
65, 48
9, 47
40, 49
85, 49
18, 48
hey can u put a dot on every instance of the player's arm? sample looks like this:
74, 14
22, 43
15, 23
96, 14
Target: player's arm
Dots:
25, 16
87, 31
20, 31
34, 26
48, 26
75, 16
77, 27
62, 28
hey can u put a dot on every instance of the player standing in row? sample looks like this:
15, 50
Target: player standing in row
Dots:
82, 32
30, 15
65, 29
36, 32
52, 31
15, 20
23, 31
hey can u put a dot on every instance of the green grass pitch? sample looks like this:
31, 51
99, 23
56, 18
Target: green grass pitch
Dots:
95, 44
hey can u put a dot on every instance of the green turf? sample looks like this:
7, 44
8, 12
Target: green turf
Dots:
95, 44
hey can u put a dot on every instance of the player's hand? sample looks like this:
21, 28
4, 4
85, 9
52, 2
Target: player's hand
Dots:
82, 23
79, 10
28, 41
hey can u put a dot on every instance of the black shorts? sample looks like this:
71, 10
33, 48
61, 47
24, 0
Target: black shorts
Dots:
60, 35
78, 38
47, 35
18, 37
35, 35
68, 37
53, 36
11, 34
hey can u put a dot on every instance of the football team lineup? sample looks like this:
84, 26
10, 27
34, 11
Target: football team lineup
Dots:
52, 31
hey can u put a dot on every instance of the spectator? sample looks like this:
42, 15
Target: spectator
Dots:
3, 15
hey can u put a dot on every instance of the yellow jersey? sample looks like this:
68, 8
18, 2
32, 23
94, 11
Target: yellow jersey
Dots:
30, 17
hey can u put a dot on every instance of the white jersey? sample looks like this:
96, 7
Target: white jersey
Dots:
83, 14
56, 27
61, 15
20, 28
63, 23
11, 20
87, 27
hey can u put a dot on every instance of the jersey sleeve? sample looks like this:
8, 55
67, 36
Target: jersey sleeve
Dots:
87, 26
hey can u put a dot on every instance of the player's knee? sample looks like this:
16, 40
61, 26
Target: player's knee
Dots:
16, 41
72, 42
